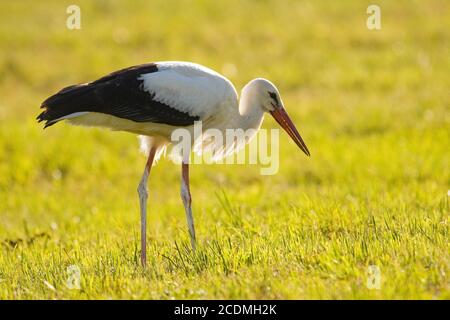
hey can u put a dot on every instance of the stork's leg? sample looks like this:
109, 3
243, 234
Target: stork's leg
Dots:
186, 196
143, 195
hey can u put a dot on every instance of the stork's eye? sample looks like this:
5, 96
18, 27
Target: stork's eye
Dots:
273, 95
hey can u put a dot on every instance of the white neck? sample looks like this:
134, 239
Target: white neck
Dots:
251, 114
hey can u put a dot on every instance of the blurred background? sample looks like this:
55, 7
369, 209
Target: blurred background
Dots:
372, 105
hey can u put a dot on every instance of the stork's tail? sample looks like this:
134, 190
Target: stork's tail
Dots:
63, 105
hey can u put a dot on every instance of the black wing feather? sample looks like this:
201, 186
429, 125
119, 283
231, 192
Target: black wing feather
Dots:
118, 94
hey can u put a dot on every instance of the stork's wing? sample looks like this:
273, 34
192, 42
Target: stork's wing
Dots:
131, 93
190, 88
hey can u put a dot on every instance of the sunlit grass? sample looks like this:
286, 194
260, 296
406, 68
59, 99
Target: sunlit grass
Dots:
373, 107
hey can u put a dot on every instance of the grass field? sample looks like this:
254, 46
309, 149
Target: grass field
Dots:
373, 107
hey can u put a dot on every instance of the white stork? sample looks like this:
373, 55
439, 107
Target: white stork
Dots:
154, 99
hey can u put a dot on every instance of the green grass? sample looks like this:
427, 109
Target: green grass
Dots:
373, 107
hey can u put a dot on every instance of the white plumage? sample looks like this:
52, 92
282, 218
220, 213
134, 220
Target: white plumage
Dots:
190, 88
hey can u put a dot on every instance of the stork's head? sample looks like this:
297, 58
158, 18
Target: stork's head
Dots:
267, 96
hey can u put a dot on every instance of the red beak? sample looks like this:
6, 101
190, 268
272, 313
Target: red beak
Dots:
285, 122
